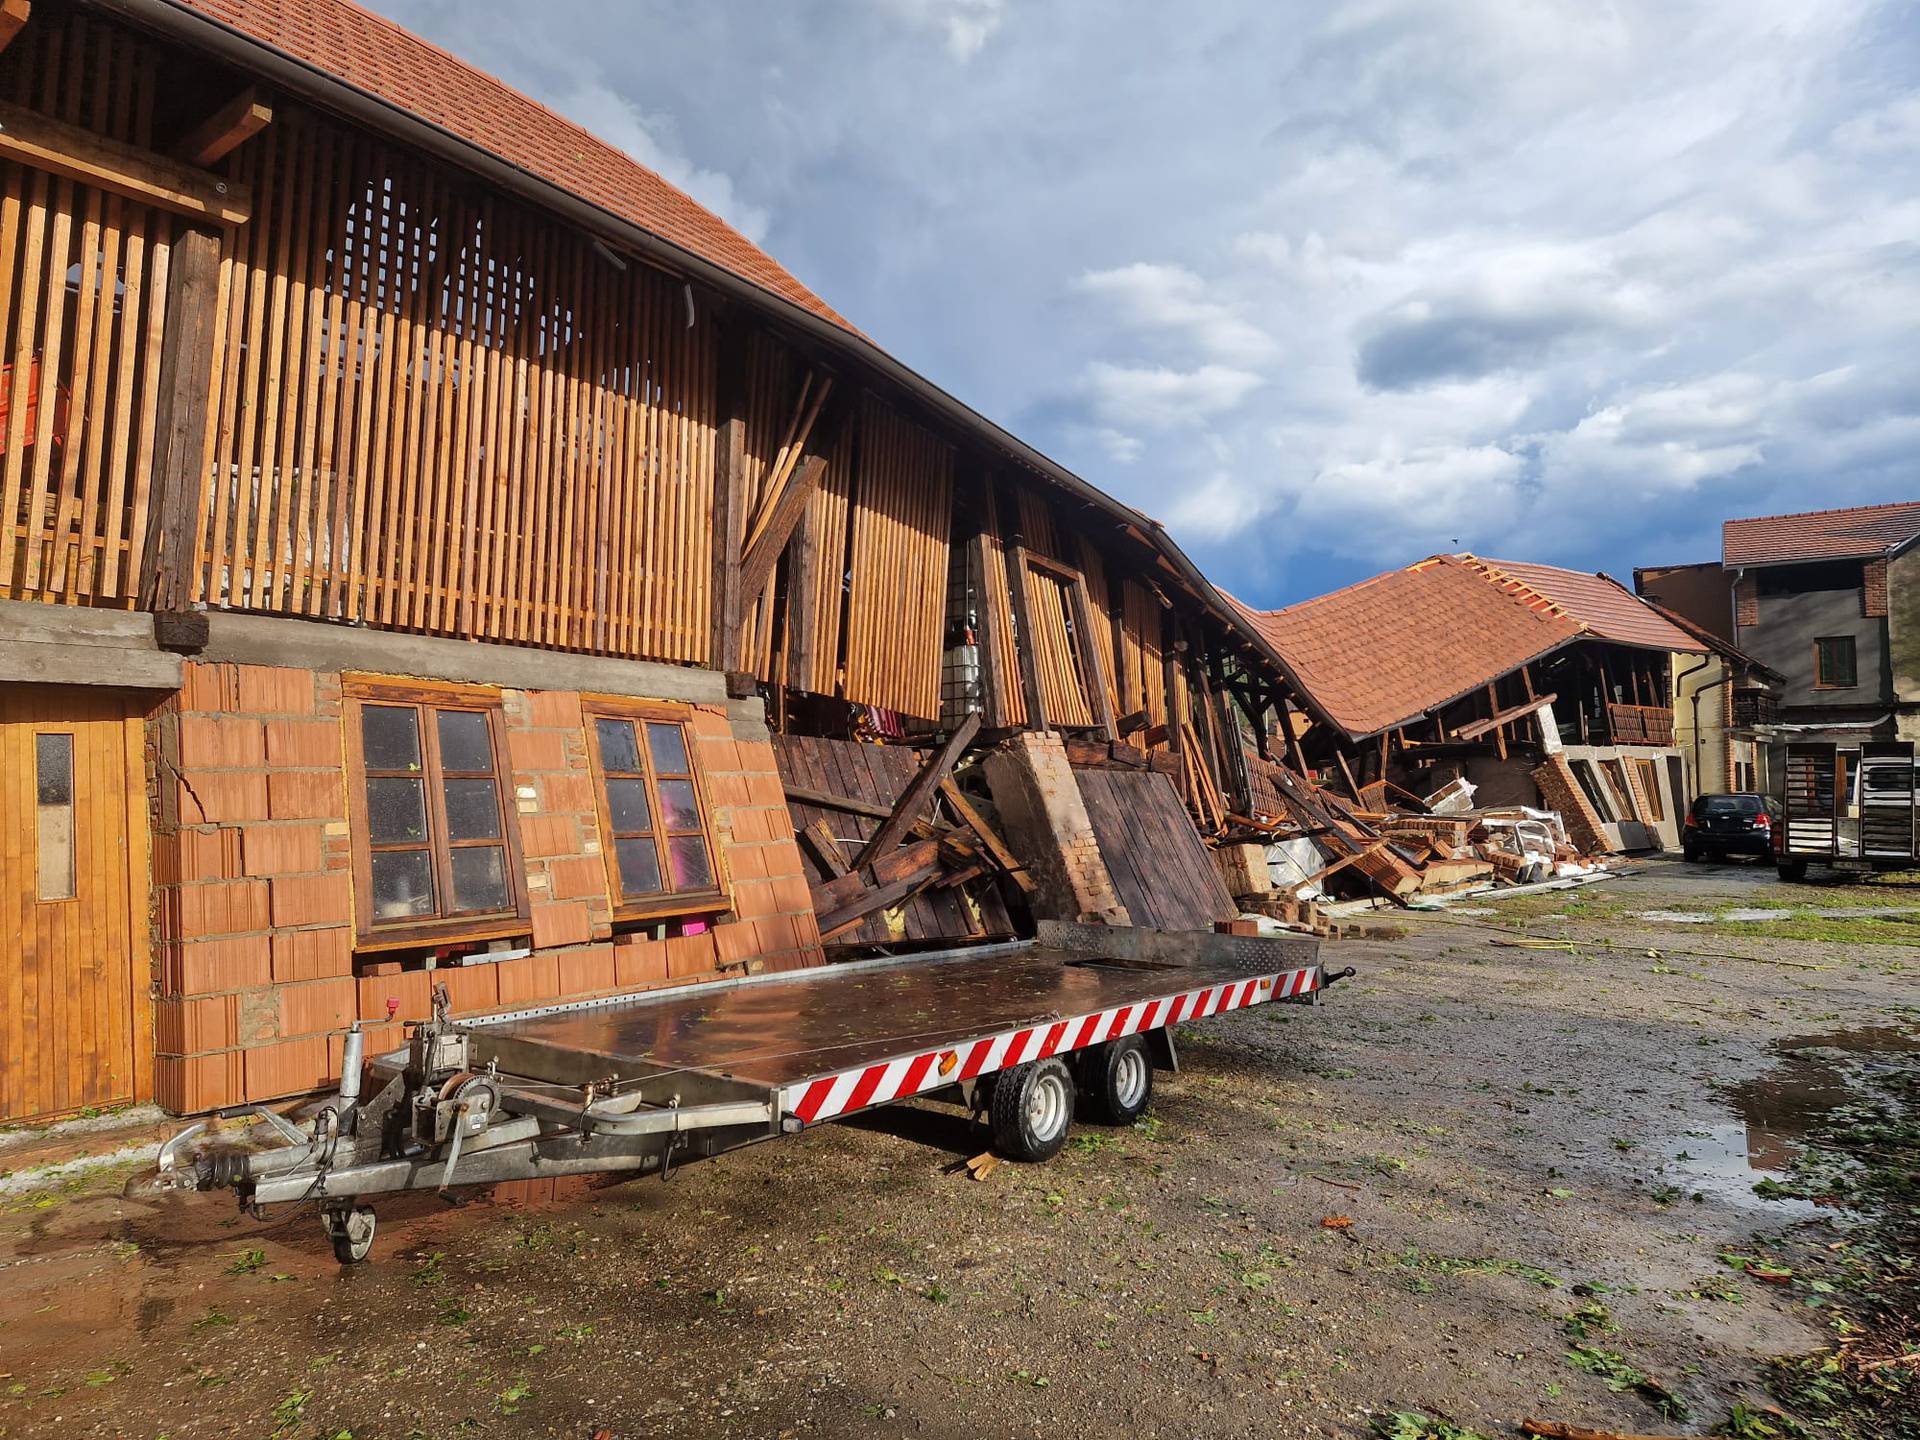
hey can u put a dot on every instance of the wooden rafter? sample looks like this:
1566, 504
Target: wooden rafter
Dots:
13, 18
226, 129
41, 143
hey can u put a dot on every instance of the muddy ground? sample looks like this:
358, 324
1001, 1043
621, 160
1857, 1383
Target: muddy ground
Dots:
1501, 1124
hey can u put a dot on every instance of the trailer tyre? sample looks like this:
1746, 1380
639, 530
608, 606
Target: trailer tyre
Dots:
1118, 1081
351, 1232
1792, 870
1031, 1108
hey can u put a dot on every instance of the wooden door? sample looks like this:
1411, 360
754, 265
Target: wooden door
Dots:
75, 1017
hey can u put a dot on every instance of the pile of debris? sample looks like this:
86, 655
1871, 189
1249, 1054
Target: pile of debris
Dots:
1305, 845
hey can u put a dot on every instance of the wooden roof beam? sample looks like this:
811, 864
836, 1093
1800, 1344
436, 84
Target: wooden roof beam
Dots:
41, 143
226, 129
13, 19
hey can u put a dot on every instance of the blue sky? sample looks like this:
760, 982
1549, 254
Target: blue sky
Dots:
1326, 288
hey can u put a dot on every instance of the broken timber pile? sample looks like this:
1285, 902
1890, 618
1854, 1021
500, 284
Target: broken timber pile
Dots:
1315, 844
897, 850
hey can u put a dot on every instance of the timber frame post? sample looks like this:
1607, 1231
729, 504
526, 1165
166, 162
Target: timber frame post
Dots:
187, 354
729, 496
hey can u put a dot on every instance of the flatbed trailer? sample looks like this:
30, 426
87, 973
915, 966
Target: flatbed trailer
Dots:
648, 1082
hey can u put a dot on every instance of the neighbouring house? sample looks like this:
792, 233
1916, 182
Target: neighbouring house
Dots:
1830, 599
1540, 685
1724, 702
439, 551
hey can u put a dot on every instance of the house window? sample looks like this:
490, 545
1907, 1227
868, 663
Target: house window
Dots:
659, 844
1835, 666
435, 855
53, 810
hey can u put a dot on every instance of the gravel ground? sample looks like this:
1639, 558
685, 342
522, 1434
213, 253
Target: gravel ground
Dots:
1499, 1124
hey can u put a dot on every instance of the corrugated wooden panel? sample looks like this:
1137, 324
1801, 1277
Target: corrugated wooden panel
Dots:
83, 286
902, 520
439, 413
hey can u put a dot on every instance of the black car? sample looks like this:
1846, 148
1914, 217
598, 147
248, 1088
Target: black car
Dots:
1730, 824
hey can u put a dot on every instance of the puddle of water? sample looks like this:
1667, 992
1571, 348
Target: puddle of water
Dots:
1703, 917
1813, 1075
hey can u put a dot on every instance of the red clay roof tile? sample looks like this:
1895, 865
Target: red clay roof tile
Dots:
1850, 534
1597, 604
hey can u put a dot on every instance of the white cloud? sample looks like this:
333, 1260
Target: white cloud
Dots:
966, 25
1162, 399
1172, 300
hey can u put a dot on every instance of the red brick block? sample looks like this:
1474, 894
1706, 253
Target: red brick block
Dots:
305, 744
549, 835
221, 742
221, 907
745, 862
689, 955
184, 1026
307, 795
776, 933
727, 791
222, 796
639, 962
718, 754
471, 988
710, 723
282, 849
208, 688
312, 954
537, 749
765, 789
317, 1005
205, 967
412, 988
754, 898
576, 879
554, 709
269, 690
189, 1085
806, 930
735, 941
313, 899
564, 923
791, 895
587, 970
567, 794
208, 855
532, 979
289, 1067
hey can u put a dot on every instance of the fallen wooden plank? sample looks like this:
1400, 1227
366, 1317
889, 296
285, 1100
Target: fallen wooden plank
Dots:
827, 800
903, 860
919, 794
1503, 717
864, 902
826, 848
967, 815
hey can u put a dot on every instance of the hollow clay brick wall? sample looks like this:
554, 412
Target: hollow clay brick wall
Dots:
256, 970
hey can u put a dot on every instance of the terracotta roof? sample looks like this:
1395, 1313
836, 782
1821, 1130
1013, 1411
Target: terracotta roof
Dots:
1818, 534
1598, 604
1386, 651
373, 54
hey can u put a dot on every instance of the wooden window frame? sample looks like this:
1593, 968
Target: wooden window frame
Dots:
668, 903
427, 698
1820, 682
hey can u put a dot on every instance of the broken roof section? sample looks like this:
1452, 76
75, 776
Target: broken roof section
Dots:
1385, 652
1382, 653
1853, 534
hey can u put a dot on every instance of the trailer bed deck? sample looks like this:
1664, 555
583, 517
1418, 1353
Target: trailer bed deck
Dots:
842, 1038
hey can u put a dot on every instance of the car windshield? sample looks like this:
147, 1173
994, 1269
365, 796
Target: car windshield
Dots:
1727, 805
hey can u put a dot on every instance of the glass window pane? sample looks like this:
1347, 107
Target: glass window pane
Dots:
53, 788
390, 736
687, 857
402, 884
669, 747
53, 768
396, 811
473, 810
618, 749
465, 743
639, 868
678, 809
627, 806
479, 878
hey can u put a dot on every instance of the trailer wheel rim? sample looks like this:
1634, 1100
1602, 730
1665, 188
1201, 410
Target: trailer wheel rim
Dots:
1046, 1106
1130, 1078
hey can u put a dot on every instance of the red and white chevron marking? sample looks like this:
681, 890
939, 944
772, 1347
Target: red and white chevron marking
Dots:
829, 1096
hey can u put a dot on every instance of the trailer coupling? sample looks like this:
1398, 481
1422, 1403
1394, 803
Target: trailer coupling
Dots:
437, 1123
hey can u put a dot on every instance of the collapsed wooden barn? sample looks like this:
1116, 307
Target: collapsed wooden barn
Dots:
438, 551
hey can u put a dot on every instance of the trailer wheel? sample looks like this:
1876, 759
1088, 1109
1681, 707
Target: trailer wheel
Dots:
1118, 1081
1031, 1108
351, 1232
1792, 870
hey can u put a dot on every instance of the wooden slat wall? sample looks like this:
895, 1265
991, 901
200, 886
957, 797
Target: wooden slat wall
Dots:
82, 286
1141, 675
896, 604
778, 386
1161, 869
1102, 605
826, 522
1063, 689
999, 617
440, 413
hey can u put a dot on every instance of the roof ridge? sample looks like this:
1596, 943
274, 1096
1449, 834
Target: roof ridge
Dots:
1818, 514
1518, 589
1348, 588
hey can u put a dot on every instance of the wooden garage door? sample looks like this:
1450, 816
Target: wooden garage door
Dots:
75, 1026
